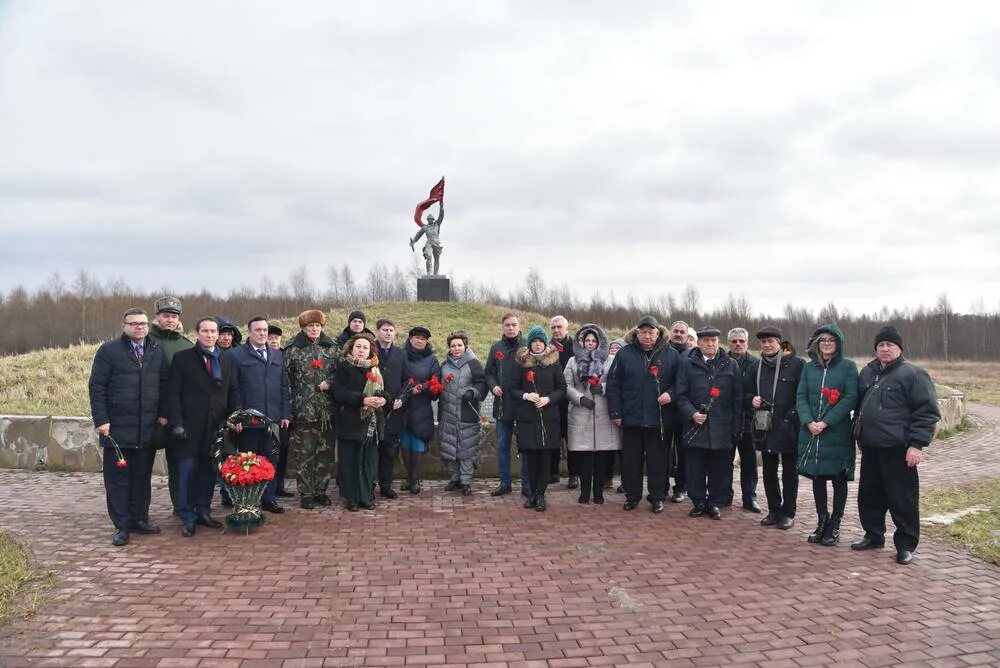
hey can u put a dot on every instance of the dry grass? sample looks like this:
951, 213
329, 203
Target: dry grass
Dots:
22, 588
980, 381
979, 532
54, 382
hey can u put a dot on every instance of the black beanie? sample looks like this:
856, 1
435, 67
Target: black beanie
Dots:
889, 333
357, 315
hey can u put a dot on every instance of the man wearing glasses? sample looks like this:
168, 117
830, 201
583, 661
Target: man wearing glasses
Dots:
739, 341
126, 381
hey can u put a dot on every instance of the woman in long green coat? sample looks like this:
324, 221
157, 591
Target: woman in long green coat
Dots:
828, 392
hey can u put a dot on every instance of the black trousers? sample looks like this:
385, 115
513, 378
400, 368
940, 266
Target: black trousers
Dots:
553, 462
282, 468
782, 504
887, 483
839, 494
127, 487
748, 469
706, 475
678, 466
539, 464
573, 463
388, 450
593, 468
643, 450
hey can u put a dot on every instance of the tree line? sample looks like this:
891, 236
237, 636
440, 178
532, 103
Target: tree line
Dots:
85, 310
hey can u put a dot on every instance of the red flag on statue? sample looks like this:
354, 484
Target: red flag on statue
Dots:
436, 195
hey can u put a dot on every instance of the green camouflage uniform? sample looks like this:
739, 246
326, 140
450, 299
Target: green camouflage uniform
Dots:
311, 453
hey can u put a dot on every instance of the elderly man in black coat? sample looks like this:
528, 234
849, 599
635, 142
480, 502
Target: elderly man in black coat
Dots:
201, 393
640, 390
264, 387
126, 382
390, 359
709, 391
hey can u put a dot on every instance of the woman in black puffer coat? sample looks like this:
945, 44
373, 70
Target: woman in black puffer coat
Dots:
418, 423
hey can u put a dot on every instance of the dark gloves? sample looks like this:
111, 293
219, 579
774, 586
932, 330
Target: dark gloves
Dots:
177, 433
587, 402
470, 395
597, 389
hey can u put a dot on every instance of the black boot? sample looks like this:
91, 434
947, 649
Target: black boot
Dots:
831, 532
817, 533
540, 503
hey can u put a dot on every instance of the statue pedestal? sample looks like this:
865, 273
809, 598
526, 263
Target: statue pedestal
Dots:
433, 289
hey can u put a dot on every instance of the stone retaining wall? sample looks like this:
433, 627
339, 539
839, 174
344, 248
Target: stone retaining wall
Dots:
70, 443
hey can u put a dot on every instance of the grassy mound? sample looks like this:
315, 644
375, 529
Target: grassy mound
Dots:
54, 382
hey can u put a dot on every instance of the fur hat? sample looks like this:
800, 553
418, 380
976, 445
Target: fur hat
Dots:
311, 317
536, 332
357, 315
890, 334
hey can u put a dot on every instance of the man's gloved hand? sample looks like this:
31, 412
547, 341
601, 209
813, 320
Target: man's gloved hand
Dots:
177, 433
587, 402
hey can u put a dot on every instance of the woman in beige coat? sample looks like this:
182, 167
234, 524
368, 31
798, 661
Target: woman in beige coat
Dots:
591, 434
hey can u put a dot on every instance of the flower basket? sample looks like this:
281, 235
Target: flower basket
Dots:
244, 475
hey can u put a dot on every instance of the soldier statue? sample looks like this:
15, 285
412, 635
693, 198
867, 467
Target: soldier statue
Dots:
432, 246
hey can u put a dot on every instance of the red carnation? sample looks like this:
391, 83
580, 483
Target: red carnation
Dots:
450, 377
121, 463
372, 378
654, 371
411, 381
714, 393
833, 397
500, 356
594, 380
530, 376
254, 421
316, 364
825, 391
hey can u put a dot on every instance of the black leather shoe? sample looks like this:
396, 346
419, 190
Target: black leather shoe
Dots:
323, 500
388, 492
599, 499
631, 505
574, 482
208, 521
769, 520
272, 508
696, 511
307, 503
868, 542
284, 494
452, 486
142, 526
120, 538
415, 487
466, 490
500, 490
678, 497
530, 502
187, 530
785, 522
657, 507
583, 498
904, 557
367, 505
540, 504
751, 507
713, 512
353, 507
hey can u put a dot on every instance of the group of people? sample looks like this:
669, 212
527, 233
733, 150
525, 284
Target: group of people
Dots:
664, 402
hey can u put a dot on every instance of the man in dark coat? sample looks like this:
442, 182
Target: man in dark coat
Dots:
355, 325
563, 342
229, 334
263, 387
390, 360
770, 387
201, 393
679, 342
640, 386
500, 366
898, 413
739, 340
126, 383
709, 391
274, 334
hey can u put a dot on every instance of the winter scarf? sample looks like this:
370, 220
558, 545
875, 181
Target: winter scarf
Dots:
213, 358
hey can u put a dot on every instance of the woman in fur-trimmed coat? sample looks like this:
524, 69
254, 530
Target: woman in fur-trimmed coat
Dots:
592, 437
539, 386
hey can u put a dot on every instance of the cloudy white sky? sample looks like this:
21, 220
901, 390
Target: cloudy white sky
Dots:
800, 152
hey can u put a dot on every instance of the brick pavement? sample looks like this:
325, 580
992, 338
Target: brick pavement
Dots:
444, 580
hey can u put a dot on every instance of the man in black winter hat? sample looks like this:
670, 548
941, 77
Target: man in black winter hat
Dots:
896, 417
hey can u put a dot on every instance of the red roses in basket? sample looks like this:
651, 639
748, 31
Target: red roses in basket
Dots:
246, 468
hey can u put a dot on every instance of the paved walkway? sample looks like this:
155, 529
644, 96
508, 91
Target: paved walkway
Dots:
444, 580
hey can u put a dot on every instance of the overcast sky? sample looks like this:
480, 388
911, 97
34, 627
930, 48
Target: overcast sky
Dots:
800, 152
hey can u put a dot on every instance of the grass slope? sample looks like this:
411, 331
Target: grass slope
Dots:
980, 532
21, 587
54, 382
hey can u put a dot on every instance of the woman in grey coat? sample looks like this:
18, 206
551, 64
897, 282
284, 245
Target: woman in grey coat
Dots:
464, 383
592, 435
